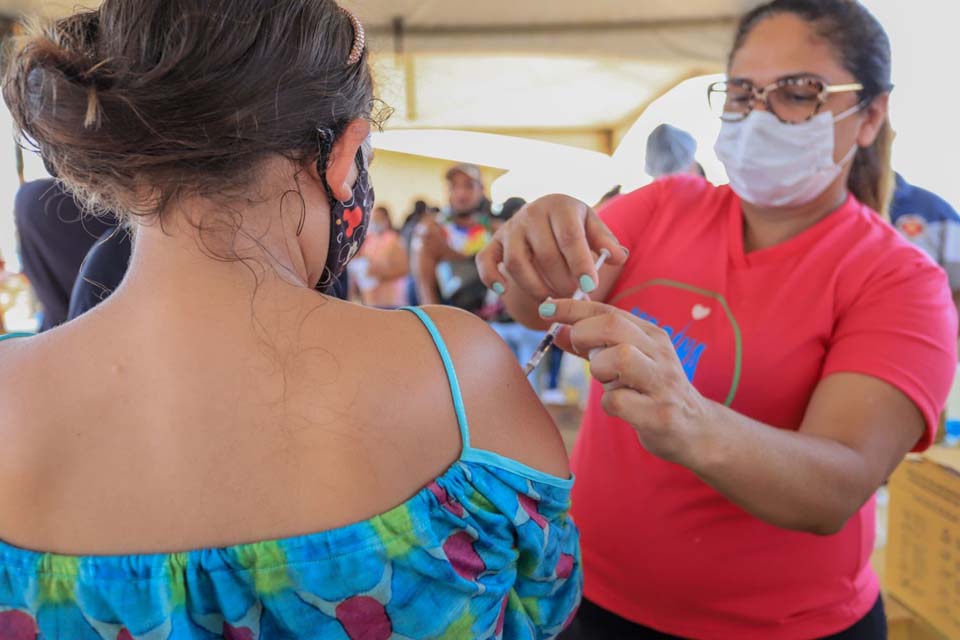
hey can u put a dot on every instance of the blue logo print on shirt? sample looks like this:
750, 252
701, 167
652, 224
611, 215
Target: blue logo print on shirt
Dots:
688, 350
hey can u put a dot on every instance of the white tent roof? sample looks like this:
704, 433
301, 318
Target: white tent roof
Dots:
691, 30
694, 30
511, 92
539, 64
526, 65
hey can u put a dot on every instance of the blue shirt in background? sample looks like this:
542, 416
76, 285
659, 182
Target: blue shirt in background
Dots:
931, 223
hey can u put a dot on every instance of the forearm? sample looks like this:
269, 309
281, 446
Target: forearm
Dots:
425, 277
788, 479
446, 253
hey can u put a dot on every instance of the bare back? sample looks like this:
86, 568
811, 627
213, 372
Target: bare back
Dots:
181, 434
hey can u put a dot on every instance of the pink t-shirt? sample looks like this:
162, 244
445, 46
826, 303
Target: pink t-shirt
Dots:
756, 332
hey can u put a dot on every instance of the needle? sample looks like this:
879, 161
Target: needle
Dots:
551, 336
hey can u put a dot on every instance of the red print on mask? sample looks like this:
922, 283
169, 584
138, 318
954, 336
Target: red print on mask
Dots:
353, 218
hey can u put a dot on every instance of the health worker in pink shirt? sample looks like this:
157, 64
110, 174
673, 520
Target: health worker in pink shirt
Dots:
764, 353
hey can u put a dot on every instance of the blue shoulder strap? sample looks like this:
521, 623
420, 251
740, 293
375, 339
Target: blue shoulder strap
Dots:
11, 336
451, 374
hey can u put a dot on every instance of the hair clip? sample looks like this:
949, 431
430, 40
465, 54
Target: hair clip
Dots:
359, 38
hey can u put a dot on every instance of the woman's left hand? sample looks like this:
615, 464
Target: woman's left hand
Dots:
644, 382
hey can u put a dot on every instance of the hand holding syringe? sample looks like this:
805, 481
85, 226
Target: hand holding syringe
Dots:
551, 336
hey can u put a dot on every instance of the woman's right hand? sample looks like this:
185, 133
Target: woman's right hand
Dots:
547, 250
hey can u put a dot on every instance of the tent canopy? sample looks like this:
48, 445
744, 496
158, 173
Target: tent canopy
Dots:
528, 68
540, 65
692, 31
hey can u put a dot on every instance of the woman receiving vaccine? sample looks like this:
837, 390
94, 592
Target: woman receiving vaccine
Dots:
218, 450
765, 355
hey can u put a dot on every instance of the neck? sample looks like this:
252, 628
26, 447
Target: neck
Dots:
468, 212
180, 277
766, 227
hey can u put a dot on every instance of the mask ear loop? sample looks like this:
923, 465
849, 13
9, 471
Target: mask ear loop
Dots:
325, 140
857, 108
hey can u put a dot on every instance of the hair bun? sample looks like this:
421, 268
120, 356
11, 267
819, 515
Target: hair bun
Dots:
183, 97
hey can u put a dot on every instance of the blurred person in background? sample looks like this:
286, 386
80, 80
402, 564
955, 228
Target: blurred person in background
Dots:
378, 271
420, 209
421, 212
55, 237
671, 151
764, 353
444, 249
102, 271
931, 223
220, 450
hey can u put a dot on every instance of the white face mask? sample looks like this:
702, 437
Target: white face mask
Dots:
774, 164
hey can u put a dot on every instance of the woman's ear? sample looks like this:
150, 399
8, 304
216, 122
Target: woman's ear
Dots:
341, 170
876, 115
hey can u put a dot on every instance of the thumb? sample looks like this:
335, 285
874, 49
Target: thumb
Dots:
562, 341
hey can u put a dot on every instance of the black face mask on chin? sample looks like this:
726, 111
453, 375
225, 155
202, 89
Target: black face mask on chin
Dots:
349, 220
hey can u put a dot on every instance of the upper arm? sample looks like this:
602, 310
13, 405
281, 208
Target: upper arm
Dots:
398, 256
889, 366
868, 415
503, 411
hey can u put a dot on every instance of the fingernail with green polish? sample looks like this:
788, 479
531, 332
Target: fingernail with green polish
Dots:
548, 309
499, 289
587, 285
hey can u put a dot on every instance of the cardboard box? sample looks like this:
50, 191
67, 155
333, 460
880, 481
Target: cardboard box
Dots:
923, 543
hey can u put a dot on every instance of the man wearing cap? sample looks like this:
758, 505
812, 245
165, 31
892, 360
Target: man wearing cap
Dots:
671, 151
444, 250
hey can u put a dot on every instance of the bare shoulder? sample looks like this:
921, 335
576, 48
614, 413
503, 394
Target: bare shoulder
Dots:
25, 392
504, 413
17, 370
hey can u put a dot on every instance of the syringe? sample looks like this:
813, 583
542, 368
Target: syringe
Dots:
551, 336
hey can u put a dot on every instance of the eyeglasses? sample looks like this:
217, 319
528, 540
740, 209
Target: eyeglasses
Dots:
792, 100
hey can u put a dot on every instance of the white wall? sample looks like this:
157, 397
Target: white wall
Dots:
925, 105
9, 184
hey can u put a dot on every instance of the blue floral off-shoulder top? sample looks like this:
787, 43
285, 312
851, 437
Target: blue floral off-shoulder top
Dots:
487, 550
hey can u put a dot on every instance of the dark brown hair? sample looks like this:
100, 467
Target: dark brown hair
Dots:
144, 101
863, 48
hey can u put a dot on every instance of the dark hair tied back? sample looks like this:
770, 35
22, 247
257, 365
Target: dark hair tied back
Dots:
144, 101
